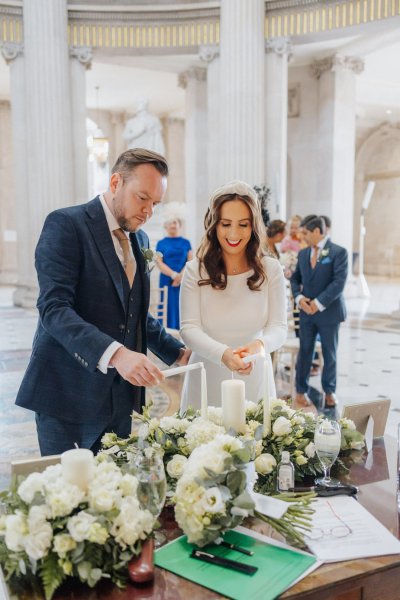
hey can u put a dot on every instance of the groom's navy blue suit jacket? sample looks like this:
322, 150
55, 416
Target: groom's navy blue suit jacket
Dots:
325, 282
84, 305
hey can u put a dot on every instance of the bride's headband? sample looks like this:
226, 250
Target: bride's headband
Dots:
234, 187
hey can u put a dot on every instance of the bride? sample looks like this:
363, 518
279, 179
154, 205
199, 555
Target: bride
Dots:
232, 298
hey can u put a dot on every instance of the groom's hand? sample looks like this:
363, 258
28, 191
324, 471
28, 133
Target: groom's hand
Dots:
136, 368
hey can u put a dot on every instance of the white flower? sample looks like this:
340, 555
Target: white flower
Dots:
347, 424
357, 445
301, 460
282, 426
103, 499
213, 501
128, 485
298, 420
277, 403
97, 534
200, 432
39, 540
265, 464
309, 450
214, 414
259, 447
16, 530
132, 523
62, 497
251, 408
32, 485
63, 543
176, 465
174, 425
79, 525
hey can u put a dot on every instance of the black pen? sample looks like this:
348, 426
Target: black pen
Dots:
223, 562
237, 548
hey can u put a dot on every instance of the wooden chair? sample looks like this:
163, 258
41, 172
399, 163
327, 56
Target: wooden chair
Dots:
34, 465
159, 303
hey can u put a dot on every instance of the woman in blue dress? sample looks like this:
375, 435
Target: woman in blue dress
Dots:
176, 251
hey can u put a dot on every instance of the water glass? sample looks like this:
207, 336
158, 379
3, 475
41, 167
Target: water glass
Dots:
152, 486
327, 440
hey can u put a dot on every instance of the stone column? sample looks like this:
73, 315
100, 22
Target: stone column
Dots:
278, 52
194, 82
210, 56
48, 112
336, 134
80, 62
26, 283
241, 128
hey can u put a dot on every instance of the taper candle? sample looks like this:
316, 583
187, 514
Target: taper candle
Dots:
266, 407
203, 392
233, 405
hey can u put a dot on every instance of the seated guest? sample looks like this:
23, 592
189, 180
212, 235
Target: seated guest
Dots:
275, 233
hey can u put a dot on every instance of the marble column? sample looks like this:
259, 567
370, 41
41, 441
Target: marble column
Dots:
26, 284
241, 123
209, 55
80, 62
194, 82
336, 134
278, 52
48, 114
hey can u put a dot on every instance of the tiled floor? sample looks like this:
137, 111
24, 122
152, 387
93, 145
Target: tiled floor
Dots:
368, 369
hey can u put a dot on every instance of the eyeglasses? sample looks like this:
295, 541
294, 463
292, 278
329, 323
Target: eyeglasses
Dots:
340, 530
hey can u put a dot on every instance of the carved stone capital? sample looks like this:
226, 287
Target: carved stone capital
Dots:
280, 46
11, 50
196, 73
83, 54
337, 62
208, 53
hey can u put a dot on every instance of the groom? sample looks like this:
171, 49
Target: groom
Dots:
317, 287
89, 367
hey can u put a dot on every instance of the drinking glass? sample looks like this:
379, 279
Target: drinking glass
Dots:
327, 440
152, 487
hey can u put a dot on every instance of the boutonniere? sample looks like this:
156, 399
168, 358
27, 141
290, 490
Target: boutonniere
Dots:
324, 253
150, 257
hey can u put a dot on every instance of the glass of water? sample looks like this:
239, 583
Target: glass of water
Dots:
327, 439
152, 486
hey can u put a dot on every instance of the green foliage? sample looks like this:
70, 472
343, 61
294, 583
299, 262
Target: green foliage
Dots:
51, 574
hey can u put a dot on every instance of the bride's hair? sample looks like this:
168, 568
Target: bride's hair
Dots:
212, 267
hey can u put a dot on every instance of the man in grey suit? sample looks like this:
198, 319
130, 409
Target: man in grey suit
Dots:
89, 368
317, 287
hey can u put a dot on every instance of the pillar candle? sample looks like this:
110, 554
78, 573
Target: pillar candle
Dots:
203, 391
233, 405
266, 407
77, 466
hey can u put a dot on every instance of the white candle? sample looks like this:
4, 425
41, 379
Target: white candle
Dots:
204, 406
178, 370
233, 404
266, 407
77, 466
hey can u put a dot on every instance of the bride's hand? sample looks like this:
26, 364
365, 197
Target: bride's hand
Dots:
234, 362
253, 347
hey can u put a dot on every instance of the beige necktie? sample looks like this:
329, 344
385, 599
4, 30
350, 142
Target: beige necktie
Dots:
129, 261
314, 256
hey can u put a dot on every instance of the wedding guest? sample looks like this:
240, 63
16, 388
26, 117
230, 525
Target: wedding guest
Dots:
291, 242
232, 298
176, 251
317, 286
275, 233
88, 367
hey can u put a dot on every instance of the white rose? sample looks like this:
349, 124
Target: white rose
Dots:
282, 426
265, 464
301, 460
79, 525
16, 530
250, 407
103, 500
176, 465
62, 499
347, 423
38, 541
128, 485
309, 450
63, 543
212, 501
31, 486
132, 523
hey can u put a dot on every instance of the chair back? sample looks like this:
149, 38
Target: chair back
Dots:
159, 303
34, 465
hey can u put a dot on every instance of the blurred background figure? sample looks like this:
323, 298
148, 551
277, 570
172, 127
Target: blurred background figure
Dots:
275, 233
291, 241
176, 251
328, 224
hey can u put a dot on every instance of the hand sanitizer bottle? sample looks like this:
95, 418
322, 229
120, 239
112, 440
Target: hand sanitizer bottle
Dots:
285, 473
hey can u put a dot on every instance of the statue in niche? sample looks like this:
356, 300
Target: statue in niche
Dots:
143, 130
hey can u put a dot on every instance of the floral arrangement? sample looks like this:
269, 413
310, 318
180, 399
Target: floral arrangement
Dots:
150, 257
55, 530
288, 261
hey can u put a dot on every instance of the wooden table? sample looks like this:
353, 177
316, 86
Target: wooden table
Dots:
363, 579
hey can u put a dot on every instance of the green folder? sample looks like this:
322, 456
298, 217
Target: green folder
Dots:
278, 567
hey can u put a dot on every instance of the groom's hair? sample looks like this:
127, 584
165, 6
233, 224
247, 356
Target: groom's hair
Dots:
130, 159
316, 223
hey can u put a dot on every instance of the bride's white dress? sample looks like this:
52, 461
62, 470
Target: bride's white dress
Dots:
213, 320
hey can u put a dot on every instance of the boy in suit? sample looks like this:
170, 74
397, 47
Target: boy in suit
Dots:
317, 287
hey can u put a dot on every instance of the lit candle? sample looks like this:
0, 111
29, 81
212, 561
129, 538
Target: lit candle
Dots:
266, 407
203, 391
77, 466
233, 405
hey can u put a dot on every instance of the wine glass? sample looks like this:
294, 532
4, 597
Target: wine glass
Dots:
327, 439
152, 487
